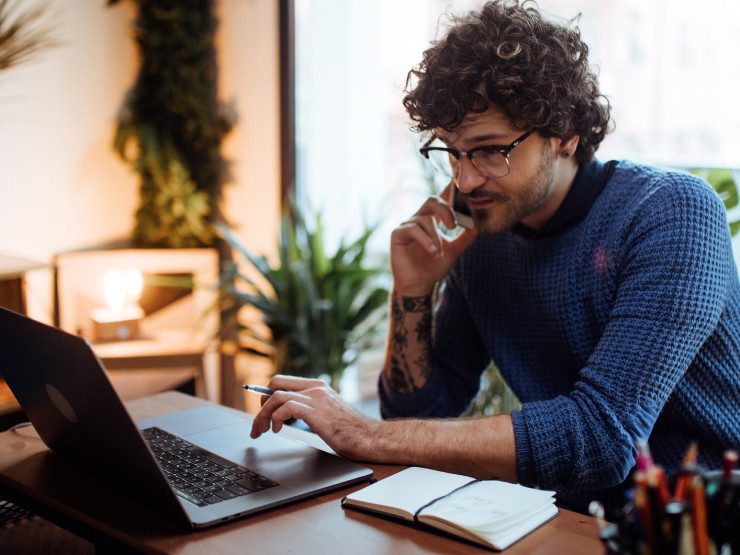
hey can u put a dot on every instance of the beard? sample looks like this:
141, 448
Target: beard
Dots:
509, 210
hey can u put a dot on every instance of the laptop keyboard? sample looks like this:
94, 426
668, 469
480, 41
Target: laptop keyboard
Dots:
198, 475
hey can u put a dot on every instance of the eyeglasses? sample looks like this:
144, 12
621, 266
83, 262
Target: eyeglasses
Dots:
490, 160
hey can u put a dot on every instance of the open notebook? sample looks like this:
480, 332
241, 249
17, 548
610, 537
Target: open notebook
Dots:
487, 512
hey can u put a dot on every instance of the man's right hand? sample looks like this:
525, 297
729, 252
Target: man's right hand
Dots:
420, 255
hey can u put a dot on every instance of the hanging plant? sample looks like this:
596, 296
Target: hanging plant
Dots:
172, 124
21, 38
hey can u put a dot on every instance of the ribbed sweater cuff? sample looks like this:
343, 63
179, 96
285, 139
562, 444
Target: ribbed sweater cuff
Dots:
524, 459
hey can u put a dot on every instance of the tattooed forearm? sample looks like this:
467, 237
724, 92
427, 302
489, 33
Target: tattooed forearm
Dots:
408, 360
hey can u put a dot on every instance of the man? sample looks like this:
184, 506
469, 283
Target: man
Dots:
606, 294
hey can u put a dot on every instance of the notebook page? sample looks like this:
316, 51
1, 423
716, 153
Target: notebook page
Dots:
410, 489
490, 505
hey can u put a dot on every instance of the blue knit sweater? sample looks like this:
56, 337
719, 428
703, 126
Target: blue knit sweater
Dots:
624, 327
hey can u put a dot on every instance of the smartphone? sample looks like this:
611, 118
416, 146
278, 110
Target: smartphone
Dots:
462, 212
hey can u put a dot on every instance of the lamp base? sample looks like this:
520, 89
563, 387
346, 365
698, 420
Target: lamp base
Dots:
116, 326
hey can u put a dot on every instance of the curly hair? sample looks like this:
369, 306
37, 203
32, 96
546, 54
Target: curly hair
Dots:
508, 55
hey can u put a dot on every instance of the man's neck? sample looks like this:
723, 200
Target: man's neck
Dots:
564, 175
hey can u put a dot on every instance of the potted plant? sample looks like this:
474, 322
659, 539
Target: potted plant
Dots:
318, 310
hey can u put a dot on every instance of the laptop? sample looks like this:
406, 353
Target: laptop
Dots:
65, 391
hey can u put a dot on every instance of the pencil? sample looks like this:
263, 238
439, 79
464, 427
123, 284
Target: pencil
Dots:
689, 462
658, 497
699, 516
644, 512
259, 389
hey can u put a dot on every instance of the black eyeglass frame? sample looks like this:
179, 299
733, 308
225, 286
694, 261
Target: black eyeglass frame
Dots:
502, 149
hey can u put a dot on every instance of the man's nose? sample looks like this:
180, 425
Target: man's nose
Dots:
469, 177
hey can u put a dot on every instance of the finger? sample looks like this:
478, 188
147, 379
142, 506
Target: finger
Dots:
420, 230
447, 218
263, 418
436, 205
439, 207
261, 422
293, 383
291, 409
320, 391
258, 428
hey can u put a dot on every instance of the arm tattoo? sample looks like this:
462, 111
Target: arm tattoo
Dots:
417, 304
396, 311
400, 333
400, 339
423, 328
425, 365
399, 377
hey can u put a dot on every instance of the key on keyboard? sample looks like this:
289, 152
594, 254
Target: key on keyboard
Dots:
198, 475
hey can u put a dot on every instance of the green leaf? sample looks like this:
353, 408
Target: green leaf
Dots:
320, 308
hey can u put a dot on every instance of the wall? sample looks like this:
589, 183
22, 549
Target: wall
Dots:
61, 186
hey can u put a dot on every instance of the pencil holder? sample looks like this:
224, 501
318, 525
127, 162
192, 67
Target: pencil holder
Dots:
700, 517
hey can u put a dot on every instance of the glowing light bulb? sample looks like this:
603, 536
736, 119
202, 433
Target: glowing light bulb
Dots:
114, 285
134, 285
119, 320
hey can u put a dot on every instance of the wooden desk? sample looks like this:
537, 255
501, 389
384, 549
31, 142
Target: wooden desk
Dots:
40, 480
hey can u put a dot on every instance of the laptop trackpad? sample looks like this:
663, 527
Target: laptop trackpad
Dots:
192, 421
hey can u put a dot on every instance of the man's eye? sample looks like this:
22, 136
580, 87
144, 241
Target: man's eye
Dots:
487, 151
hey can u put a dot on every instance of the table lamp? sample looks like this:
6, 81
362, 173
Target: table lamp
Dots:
119, 319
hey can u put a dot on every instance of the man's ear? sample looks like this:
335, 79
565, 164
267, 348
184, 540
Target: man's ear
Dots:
568, 146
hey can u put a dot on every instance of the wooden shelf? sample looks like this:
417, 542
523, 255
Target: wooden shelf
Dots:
163, 349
